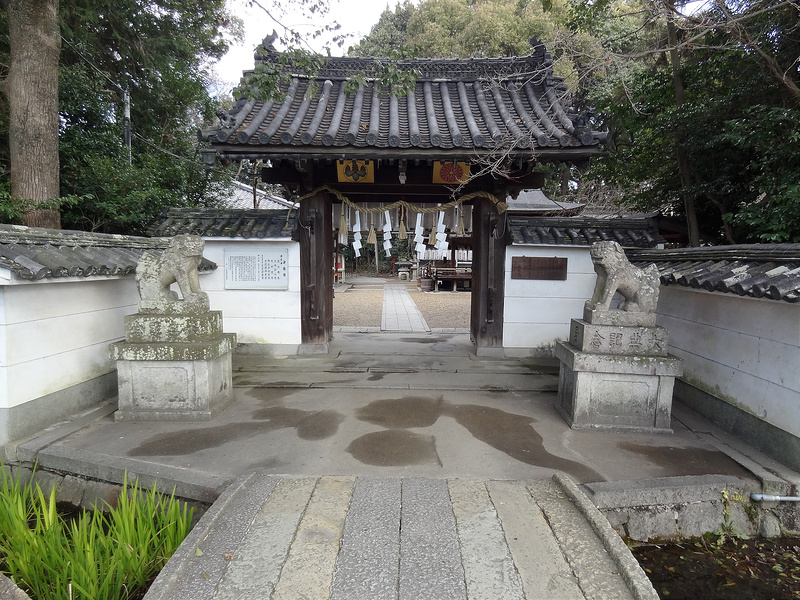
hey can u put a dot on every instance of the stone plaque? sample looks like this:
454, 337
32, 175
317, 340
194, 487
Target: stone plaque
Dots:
539, 267
266, 269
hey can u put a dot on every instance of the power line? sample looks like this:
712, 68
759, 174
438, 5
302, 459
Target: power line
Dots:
94, 66
167, 152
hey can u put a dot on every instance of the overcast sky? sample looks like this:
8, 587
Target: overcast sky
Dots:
355, 16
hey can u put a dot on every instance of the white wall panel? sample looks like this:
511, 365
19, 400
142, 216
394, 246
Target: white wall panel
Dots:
47, 299
33, 379
776, 320
256, 304
33, 339
533, 335
264, 331
745, 351
537, 313
766, 399
543, 310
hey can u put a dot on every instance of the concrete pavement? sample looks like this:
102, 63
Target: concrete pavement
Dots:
402, 466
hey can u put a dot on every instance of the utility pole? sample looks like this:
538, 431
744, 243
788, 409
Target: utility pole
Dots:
126, 96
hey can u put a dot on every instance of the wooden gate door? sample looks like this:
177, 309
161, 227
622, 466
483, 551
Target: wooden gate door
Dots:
316, 270
489, 240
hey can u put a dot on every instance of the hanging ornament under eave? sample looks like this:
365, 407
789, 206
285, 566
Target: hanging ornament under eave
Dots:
357, 235
460, 231
442, 245
387, 233
371, 237
419, 239
343, 235
402, 234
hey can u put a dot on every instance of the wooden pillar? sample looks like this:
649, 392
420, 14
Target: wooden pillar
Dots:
489, 239
316, 269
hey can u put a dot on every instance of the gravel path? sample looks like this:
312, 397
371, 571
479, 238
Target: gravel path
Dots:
443, 309
363, 307
358, 308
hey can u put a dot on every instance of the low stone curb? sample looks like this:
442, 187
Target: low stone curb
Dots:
9, 591
631, 572
168, 578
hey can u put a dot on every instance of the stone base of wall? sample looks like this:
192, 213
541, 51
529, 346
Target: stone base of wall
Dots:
31, 417
772, 441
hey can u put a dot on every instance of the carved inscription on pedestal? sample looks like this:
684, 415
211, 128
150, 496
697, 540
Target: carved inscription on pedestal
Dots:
624, 341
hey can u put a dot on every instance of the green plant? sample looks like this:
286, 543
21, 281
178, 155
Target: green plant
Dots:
726, 531
96, 555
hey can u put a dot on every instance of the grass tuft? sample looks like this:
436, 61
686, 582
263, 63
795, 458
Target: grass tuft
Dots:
97, 555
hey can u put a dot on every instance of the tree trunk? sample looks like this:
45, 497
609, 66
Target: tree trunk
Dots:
32, 90
680, 98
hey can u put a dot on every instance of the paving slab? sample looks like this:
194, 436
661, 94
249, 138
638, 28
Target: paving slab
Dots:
393, 539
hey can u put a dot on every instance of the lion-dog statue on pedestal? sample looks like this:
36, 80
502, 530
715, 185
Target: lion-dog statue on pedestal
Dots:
638, 287
155, 273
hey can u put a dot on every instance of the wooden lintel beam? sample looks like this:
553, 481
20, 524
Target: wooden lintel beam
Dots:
387, 180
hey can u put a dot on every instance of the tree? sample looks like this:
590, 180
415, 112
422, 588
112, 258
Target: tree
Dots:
158, 52
162, 63
155, 51
471, 28
31, 88
389, 34
700, 108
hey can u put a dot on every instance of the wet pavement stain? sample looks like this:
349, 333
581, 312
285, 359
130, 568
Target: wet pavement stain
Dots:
515, 436
310, 425
510, 433
421, 340
443, 348
402, 413
376, 376
395, 448
270, 395
687, 461
189, 441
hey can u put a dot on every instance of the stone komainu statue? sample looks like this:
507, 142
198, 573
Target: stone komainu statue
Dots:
638, 287
155, 273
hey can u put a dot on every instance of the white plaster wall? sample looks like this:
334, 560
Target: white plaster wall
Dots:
537, 313
55, 333
743, 350
255, 316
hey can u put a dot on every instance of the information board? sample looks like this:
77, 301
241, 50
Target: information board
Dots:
266, 269
534, 267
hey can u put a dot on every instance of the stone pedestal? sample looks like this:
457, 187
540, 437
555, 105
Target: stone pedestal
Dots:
173, 367
616, 373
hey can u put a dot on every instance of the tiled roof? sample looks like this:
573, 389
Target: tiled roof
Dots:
225, 223
534, 201
34, 253
629, 232
242, 198
758, 270
458, 107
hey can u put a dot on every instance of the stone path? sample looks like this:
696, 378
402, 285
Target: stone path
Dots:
375, 538
399, 311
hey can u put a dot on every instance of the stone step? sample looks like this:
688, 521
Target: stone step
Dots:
371, 538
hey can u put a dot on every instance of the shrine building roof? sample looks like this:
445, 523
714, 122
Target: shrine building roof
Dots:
457, 109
